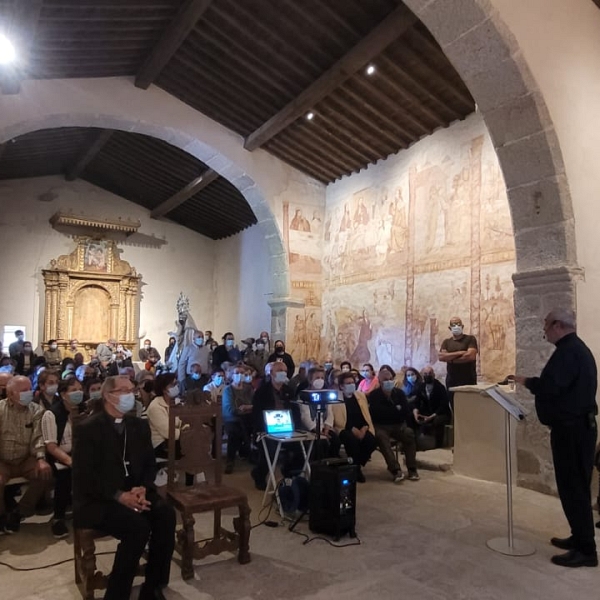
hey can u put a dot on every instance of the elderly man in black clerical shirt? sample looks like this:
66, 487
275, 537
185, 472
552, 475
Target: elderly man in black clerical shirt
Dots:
565, 401
113, 492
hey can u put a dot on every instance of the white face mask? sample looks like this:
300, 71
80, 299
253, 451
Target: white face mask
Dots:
96, 395
456, 329
25, 398
51, 389
53, 346
260, 346
173, 391
319, 383
281, 377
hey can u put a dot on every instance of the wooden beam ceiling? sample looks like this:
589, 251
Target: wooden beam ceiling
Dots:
100, 140
191, 189
22, 25
172, 38
390, 29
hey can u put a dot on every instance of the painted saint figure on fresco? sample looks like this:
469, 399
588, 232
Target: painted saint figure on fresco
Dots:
299, 222
361, 353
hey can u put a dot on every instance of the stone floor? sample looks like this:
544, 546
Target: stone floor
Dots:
422, 540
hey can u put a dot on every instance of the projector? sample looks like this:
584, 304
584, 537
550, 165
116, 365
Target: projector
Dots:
321, 397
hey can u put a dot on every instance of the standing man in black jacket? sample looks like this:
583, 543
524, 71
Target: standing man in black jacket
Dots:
113, 491
565, 400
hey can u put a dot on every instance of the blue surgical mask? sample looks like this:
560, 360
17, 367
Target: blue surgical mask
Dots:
237, 378
365, 374
229, 343
126, 402
96, 395
199, 341
328, 365
281, 377
411, 378
75, 397
349, 389
456, 329
387, 386
196, 376
218, 380
51, 389
247, 378
25, 398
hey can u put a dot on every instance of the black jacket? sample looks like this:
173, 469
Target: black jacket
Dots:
287, 359
20, 367
566, 389
265, 400
98, 465
436, 403
388, 410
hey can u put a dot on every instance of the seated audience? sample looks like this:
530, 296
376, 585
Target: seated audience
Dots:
118, 497
4, 379
259, 357
345, 366
73, 350
299, 381
237, 416
144, 390
166, 390
352, 422
53, 355
25, 360
248, 347
47, 388
216, 385
412, 380
105, 352
194, 351
153, 363
226, 352
274, 393
369, 381
92, 394
391, 415
57, 434
22, 452
328, 364
432, 407
280, 355
39, 366
329, 441
332, 378
195, 380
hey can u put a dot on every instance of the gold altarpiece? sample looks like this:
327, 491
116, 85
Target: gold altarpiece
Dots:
91, 295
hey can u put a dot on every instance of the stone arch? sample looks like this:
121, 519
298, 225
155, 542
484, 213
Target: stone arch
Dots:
488, 58
222, 164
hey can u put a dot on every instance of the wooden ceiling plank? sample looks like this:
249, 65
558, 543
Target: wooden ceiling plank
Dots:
3, 148
186, 193
88, 156
390, 29
302, 163
188, 15
22, 27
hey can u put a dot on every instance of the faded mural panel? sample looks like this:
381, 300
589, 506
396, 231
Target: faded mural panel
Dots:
407, 244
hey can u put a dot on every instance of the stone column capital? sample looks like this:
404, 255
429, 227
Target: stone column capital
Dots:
288, 302
569, 275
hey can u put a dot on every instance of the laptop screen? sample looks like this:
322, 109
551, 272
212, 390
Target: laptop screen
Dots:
278, 421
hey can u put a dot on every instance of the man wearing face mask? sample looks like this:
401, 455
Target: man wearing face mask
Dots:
274, 393
195, 380
144, 350
47, 388
22, 452
259, 357
57, 434
195, 351
226, 352
216, 385
431, 407
390, 412
308, 416
53, 355
113, 492
237, 415
25, 360
280, 355
17, 346
459, 352
352, 422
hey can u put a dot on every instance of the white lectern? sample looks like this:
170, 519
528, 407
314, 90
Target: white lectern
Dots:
508, 545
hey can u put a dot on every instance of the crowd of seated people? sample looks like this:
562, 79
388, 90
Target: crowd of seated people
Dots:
41, 394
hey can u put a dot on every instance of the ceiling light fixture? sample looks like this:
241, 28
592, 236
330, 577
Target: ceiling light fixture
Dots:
7, 51
370, 69
310, 116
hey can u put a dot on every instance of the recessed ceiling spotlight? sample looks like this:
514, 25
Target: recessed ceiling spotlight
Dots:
7, 51
370, 69
310, 116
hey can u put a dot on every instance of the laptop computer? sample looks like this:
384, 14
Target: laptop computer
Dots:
279, 424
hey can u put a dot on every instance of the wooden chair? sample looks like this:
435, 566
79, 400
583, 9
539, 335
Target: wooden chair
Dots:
87, 578
200, 443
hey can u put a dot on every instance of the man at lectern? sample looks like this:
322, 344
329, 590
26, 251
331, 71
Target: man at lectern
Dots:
565, 400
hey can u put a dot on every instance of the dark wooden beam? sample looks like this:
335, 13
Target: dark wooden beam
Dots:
97, 144
191, 189
390, 29
22, 25
174, 35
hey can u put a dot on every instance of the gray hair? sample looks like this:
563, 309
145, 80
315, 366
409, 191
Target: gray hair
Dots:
564, 316
110, 383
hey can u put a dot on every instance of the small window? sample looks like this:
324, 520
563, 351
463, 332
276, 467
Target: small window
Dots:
8, 337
